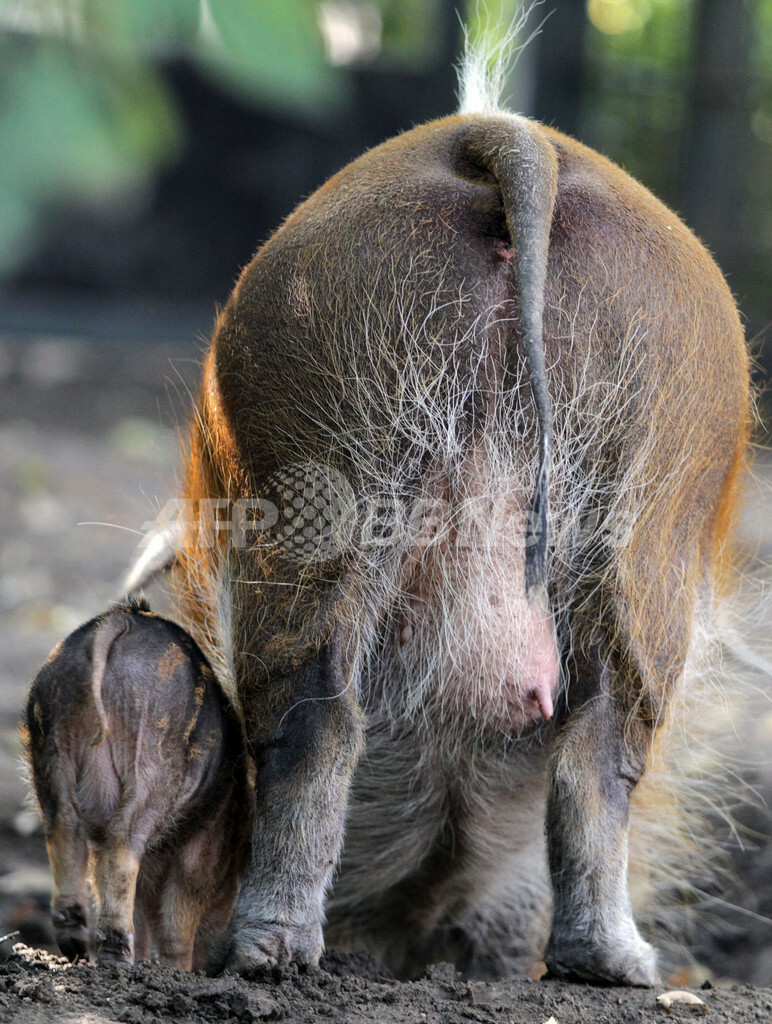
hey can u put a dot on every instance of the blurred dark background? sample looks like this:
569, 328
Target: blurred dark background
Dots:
148, 148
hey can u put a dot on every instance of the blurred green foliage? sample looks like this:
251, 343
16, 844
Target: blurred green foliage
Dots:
636, 95
84, 113
636, 110
73, 124
408, 29
272, 48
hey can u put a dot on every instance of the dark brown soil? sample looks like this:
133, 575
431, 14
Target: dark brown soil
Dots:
36, 988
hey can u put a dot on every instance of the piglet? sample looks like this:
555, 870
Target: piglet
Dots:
139, 767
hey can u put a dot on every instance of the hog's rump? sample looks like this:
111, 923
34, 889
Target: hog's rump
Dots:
371, 415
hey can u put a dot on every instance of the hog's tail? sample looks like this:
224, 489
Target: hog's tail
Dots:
114, 626
524, 162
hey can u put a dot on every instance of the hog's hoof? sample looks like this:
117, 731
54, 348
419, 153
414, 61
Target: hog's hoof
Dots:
255, 952
114, 946
71, 929
606, 963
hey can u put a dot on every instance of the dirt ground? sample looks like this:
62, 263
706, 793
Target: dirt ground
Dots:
36, 989
87, 457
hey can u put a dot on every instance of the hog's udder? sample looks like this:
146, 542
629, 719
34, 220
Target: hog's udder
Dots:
469, 633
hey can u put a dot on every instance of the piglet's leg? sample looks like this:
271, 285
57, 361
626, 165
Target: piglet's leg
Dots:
180, 915
68, 856
202, 885
212, 927
116, 872
194, 876
599, 757
143, 939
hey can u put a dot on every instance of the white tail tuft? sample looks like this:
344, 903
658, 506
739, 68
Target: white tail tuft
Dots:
489, 58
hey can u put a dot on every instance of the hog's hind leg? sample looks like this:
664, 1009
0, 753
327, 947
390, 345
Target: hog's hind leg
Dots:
599, 757
304, 730
630, 636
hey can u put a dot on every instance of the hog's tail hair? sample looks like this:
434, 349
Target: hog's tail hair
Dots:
490, 54
113, 627
525, 165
